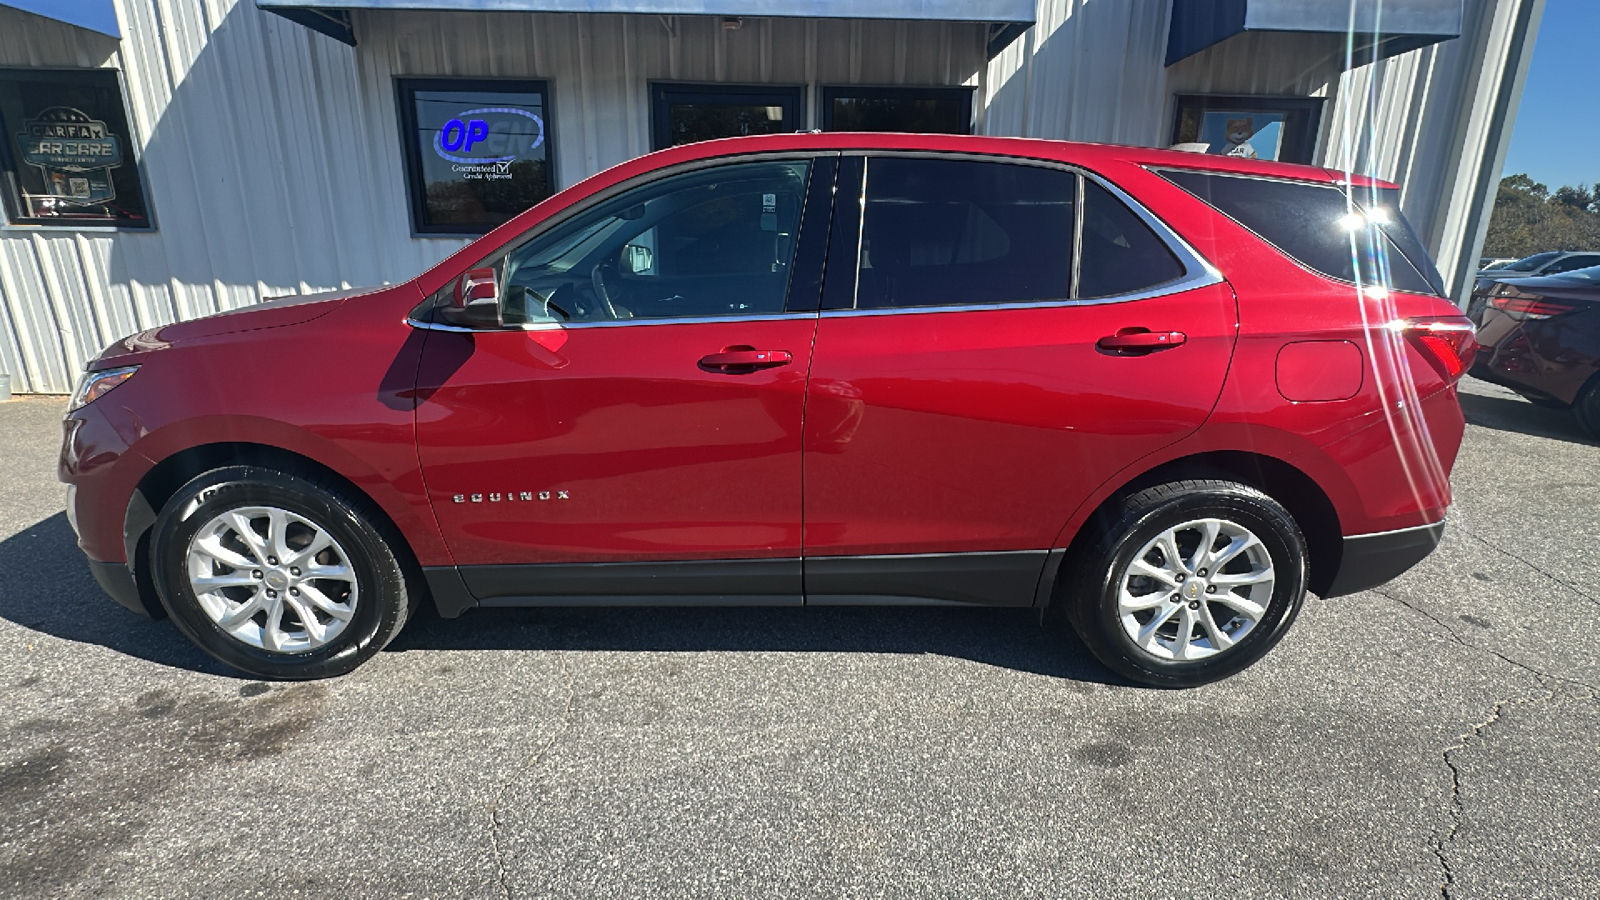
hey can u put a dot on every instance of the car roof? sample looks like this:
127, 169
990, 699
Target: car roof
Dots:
1086, 154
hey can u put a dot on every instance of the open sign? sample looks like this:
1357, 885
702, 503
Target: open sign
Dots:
490, 134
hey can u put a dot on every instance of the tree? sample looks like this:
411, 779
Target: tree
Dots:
1578, 198
1528, 218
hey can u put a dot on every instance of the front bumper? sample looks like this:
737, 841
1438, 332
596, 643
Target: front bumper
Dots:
1369, 560
116, 580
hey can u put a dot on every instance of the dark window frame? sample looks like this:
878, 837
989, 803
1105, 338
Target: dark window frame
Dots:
416, 190
829, 93
1302, 119
11, 189
663, 94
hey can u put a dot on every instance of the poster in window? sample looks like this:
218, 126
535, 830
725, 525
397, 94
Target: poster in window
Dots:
478, 152
1248, 135
1282, 129
68, 157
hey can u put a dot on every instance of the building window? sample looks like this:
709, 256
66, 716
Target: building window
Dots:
67, 154
920, 110
1275, 128
686, 113
477, 151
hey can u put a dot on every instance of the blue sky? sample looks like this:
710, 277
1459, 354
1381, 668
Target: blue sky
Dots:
1557, 135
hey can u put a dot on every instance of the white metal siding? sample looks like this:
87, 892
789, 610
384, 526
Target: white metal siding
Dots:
272, 161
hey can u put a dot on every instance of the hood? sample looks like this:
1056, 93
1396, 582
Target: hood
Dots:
271, 313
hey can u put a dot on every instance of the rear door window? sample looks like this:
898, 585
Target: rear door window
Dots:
942, 232
1317, 225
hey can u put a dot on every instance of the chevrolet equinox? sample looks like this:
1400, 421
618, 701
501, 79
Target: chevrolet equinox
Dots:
1161, 394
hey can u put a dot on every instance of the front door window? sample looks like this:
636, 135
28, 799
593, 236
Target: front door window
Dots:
706, 243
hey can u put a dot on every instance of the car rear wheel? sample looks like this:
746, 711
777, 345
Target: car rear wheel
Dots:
1189, 582
277, 575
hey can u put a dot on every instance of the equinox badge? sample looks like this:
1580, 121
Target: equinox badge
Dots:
512, 496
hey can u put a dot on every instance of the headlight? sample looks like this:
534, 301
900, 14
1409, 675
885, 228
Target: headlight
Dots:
94, 385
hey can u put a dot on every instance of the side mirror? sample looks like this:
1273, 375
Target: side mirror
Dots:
476, 288
637, 260
475, 300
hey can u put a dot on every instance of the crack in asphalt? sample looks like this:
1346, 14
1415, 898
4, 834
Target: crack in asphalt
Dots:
1576, 589
1458, 808
516, 777
1457, 638
1477, 733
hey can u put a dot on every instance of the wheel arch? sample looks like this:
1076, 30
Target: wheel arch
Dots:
1299, 493
167, 476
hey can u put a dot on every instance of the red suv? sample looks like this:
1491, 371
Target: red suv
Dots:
1164, 394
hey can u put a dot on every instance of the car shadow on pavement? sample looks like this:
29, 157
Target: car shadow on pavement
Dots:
1007, 638
1521, 416
45, 587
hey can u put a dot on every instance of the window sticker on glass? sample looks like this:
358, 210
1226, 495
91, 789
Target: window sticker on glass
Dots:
478, 152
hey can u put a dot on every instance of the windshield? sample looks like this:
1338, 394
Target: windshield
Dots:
1529, 263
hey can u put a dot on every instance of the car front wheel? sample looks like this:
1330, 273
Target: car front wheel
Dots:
1189, 582
277, 575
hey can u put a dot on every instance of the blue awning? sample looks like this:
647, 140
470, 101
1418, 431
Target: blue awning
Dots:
95, 15
1007, 19
1385, 26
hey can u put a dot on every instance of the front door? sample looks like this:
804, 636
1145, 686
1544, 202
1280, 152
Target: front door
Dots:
969, 388
642, 402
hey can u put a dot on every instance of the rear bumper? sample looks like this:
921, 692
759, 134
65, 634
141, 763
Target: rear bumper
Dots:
1369, 560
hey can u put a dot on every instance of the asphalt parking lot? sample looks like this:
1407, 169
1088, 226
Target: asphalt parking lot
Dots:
1435, 737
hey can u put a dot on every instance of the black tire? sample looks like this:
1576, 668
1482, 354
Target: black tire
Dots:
1587, 408
1092, 592
381, 606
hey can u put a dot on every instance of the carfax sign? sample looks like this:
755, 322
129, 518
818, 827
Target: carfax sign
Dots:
75, 152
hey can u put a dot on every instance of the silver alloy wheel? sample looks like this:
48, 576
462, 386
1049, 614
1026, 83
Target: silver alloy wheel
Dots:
272, 579
1195, 590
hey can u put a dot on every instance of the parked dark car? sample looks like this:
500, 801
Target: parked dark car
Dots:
1153, 390
1552, 262
1541, 338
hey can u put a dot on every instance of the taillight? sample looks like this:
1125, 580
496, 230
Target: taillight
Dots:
1530, 307
1447, 343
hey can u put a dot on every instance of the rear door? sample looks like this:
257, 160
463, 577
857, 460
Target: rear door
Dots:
976, 375
642, 403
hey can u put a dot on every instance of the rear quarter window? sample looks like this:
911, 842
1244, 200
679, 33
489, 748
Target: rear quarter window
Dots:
1120, 254
1312, 223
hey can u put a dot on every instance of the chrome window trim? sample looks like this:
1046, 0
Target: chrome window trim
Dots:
613, 323
1198, 272
1171, 287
